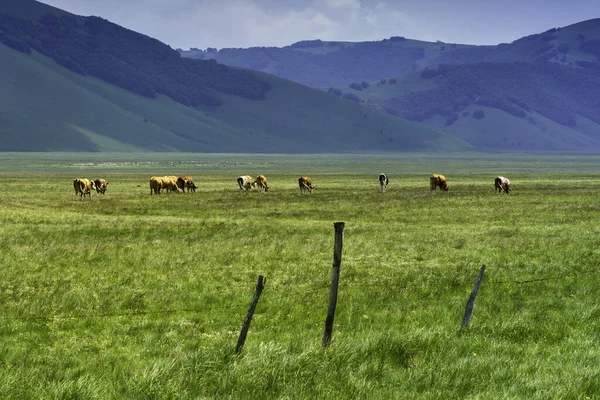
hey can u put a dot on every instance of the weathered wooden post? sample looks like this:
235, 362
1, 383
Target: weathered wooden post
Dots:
335, 279
260, 284
471, 303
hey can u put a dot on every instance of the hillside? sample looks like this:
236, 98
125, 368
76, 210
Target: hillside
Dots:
497, 106
538, 93
84, 84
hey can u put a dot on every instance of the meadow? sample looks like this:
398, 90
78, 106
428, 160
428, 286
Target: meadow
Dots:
129, 295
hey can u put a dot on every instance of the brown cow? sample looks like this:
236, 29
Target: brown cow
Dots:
170, 184
184, 182
502, 183
261, 182
305, 184
101, 186
245, 182
156, 185
82, 187
436, 180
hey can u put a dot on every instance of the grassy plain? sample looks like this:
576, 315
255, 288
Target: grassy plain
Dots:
129, 295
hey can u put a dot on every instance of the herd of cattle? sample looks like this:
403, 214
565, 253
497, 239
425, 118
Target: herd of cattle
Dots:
179, 184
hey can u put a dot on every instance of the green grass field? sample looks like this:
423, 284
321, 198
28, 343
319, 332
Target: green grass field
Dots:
134, 296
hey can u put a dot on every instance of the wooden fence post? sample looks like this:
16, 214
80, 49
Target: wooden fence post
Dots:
471, 303
260, 284
335, 279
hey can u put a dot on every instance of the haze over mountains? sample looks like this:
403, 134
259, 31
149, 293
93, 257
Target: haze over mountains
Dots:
85, 84
537, 93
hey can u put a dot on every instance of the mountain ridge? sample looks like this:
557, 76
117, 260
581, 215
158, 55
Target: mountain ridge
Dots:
84, 84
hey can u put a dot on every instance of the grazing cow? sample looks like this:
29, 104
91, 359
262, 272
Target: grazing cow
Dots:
101, 186
436, 180
156, 185
305, 184
170, 184
245, 182
261, 183
383, 182
184, 182
502, 183
82, 187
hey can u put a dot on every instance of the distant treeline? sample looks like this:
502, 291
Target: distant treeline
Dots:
135, 62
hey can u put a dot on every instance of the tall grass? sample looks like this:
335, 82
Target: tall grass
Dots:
130, 295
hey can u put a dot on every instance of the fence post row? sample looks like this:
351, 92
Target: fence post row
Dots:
335, 278
260, 284
471, 303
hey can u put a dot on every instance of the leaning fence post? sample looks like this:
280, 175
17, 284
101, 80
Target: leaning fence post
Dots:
260, 284
335, 279
471, 303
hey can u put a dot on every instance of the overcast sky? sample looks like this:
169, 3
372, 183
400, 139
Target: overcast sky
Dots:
247, 23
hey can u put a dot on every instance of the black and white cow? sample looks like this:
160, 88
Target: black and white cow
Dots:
502, 183
383, 182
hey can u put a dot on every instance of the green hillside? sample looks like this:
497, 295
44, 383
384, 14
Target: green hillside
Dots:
538, 93
46, 107
537, 106
59, 99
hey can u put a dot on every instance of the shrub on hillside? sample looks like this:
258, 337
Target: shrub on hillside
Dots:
383, 81
364, 84
478, 114
337, 92
353, 97
392, 80
356, 86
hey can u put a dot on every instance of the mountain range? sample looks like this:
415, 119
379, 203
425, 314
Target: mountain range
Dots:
538, 93
76, 83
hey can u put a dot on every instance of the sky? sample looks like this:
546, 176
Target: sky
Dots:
248, 23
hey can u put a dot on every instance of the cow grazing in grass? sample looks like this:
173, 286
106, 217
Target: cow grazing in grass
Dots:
436, 180
101, 186
184, 182
261, 183
82, 187
383, 182
305, 184
156, 185
501, 183
170, 184
245, 182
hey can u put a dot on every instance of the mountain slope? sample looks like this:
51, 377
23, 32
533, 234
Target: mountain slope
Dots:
168, 104
538, 93
510, 106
